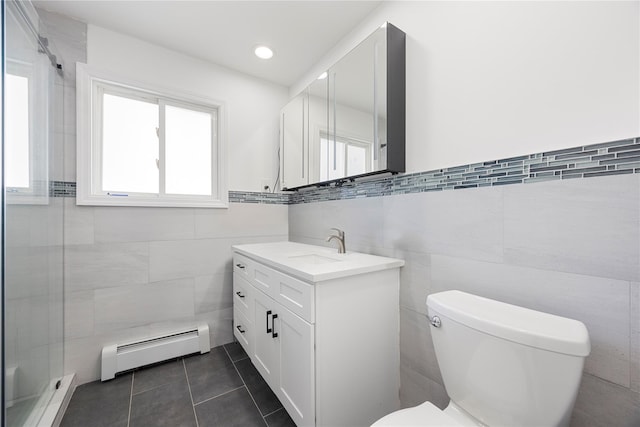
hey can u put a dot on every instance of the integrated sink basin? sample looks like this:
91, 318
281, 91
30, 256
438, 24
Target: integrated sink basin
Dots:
315, 263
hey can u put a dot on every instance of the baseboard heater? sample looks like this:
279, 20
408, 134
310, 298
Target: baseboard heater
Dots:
123, 357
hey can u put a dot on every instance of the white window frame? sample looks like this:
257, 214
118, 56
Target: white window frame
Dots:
91, 84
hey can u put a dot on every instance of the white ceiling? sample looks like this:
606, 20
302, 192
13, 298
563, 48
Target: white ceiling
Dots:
225, 32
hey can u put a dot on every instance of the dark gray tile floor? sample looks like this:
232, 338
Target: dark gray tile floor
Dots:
220, 388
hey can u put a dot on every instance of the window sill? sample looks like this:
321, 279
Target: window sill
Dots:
165, 202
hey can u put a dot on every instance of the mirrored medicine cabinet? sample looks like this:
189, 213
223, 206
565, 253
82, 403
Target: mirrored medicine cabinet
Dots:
350, 122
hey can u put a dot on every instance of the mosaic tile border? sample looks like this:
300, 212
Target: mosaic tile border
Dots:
254, 197
62, 189
608, 158
68, 189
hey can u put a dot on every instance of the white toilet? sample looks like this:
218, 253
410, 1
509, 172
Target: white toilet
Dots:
502, 365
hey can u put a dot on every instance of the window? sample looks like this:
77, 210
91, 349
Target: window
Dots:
139, 146
17, 132
352, 157
25, 143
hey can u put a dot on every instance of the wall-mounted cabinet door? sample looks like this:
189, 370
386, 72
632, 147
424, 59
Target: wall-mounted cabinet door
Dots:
319, 130
294, 152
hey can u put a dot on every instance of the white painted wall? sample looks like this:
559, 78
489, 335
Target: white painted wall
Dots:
252, 104
488, 80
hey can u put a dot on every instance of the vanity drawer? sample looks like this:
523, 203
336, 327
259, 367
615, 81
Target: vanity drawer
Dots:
242, 295
243, 266
243, 330
264, 279
294, 294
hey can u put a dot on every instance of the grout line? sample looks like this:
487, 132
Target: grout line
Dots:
271, 413
130, 399
221, 394
184, 366
231, 359
245, 384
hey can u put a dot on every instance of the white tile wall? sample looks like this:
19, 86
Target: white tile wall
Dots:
635, 336
137, 305
360, 216
78, 314
602, 404
138, 272
130, 224
416, 351
415, 278
570, 248
213, 292
173, 259
79, 223
105, 265
466, 223
241, 219
579, 226
416, 388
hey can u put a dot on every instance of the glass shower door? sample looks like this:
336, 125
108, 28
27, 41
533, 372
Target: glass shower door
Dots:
33, 221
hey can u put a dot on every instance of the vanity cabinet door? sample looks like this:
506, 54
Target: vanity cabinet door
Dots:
297, 367
283, 352
266, 351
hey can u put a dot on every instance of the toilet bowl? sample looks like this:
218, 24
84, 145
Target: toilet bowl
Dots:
502, 365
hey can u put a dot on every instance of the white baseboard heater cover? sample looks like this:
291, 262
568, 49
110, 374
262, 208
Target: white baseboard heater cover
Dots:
123, 357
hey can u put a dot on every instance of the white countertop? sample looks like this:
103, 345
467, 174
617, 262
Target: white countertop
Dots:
315, 263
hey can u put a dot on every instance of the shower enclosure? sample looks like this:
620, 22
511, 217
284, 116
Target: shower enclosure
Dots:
32, 276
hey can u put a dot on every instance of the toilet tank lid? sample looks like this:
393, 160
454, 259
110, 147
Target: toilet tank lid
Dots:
511, 322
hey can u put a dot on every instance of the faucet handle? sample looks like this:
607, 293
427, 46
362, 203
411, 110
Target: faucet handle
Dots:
340, 232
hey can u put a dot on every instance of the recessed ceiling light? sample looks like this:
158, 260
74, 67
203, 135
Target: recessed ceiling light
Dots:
263, 52
322, 76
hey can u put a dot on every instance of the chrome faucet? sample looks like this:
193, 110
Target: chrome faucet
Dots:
340, 238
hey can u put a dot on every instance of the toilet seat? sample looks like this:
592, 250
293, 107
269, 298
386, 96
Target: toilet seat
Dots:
425, 414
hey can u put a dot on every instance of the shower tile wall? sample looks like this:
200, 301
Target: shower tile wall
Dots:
570, 248
135, 272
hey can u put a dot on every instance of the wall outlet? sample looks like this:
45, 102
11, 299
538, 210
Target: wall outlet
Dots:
265, 185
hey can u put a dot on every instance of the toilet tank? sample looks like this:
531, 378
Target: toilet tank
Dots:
507, 365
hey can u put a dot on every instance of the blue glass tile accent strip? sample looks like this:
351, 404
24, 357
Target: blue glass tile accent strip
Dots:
609, 158
254, 197
603, 159
68, 189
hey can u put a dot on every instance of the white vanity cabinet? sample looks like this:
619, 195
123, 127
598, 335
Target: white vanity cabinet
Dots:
321, 328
